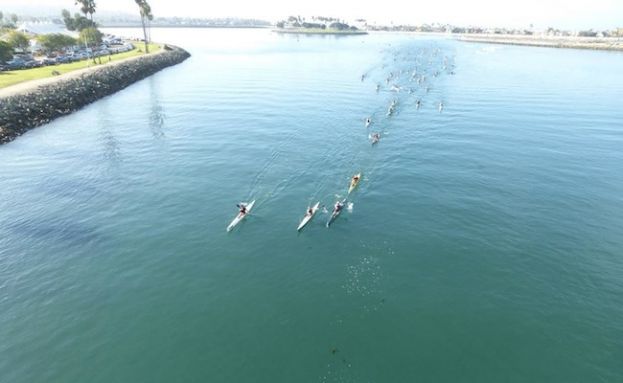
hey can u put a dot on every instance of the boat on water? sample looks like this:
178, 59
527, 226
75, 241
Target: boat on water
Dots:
241, 215
354, 182
309, 214
337, 209
374, 138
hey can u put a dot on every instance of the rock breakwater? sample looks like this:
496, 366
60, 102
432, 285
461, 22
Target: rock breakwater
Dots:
25, 110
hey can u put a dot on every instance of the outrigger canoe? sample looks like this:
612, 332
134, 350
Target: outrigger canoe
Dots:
308, 216
241, 216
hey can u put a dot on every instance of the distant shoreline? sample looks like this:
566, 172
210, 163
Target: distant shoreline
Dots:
609, 44
318, 31
187, 26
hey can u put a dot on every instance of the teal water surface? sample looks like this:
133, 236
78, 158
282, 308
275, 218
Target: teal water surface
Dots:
484, 244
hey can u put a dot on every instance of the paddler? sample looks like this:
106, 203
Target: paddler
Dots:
338, 207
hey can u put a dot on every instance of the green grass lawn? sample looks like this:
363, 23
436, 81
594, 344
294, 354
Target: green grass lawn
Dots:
13, 77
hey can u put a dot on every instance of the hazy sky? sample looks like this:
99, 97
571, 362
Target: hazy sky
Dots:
568, 14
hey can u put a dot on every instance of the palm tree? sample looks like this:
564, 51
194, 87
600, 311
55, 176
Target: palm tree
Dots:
145, 10
87, 7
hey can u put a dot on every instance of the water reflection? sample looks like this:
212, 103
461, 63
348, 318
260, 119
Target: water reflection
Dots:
110, 144
156, 112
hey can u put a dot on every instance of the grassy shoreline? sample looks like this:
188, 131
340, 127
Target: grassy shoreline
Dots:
14, 77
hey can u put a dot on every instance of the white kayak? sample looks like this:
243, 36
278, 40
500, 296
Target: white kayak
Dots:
374, 138
308, 216
336, 213
241, 216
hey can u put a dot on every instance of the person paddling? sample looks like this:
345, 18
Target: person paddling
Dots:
338, 206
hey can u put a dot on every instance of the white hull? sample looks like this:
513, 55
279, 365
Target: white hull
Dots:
240, 216
308, 217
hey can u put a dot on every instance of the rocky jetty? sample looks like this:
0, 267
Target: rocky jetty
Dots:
27, 110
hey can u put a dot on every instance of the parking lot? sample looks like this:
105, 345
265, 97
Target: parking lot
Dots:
71, 54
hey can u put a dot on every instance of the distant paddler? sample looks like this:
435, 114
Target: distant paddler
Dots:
378, 87
390, 111
440, 107
375, 137
368, 121
417, 104
354, 181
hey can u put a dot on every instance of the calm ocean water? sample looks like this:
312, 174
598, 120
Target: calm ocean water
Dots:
484, 244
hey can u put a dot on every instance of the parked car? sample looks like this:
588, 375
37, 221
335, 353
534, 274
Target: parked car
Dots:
63, 59
32, 64
16, 63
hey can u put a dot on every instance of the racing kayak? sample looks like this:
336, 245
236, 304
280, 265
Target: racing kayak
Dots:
375, 138
336, 212
241, 216
354, 183
308, 216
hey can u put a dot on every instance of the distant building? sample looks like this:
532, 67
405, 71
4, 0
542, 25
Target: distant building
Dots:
44, 28
33, 29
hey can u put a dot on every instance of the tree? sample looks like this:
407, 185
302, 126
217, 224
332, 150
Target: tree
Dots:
14, 18
76, 23
6, 51
87, 7
81, 22
145, 10
91, 36
69, 22
18, 40
339, 26
55, 41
